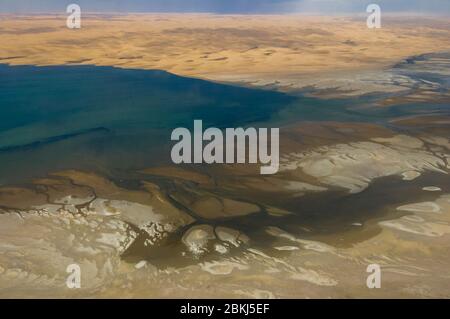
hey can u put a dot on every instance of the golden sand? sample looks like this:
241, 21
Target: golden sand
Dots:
221, 47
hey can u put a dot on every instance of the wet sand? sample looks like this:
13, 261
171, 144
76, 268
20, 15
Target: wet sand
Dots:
291, 235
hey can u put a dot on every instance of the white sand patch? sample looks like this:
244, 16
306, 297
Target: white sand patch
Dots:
296, 272
134, 213
313, 277
410, 175
422, 222
232, 236
286, 248
432, 189
306, 244
256, 293
425, 207
197, 238
222, 267
221, 249
353, 166
141, 264
429, 229
102, 207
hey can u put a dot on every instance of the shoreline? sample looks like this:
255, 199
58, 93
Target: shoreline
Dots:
305, 46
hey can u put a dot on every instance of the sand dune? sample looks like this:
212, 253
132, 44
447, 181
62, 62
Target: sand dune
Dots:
258, 50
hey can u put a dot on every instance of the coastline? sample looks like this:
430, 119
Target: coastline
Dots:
364, 171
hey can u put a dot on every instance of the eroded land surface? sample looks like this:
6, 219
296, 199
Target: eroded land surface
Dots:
348, 194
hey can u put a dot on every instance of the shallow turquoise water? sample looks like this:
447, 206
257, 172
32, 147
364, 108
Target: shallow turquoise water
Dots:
105, 118
108, 119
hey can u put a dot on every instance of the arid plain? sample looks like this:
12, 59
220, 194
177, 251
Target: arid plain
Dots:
254, 49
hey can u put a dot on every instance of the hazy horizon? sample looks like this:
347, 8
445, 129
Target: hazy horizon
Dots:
432, 7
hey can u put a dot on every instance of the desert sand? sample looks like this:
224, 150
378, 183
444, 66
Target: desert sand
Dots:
284, 51
347, 195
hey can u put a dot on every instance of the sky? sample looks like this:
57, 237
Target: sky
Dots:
228, 6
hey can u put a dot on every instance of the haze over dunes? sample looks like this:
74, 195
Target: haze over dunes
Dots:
222, 47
